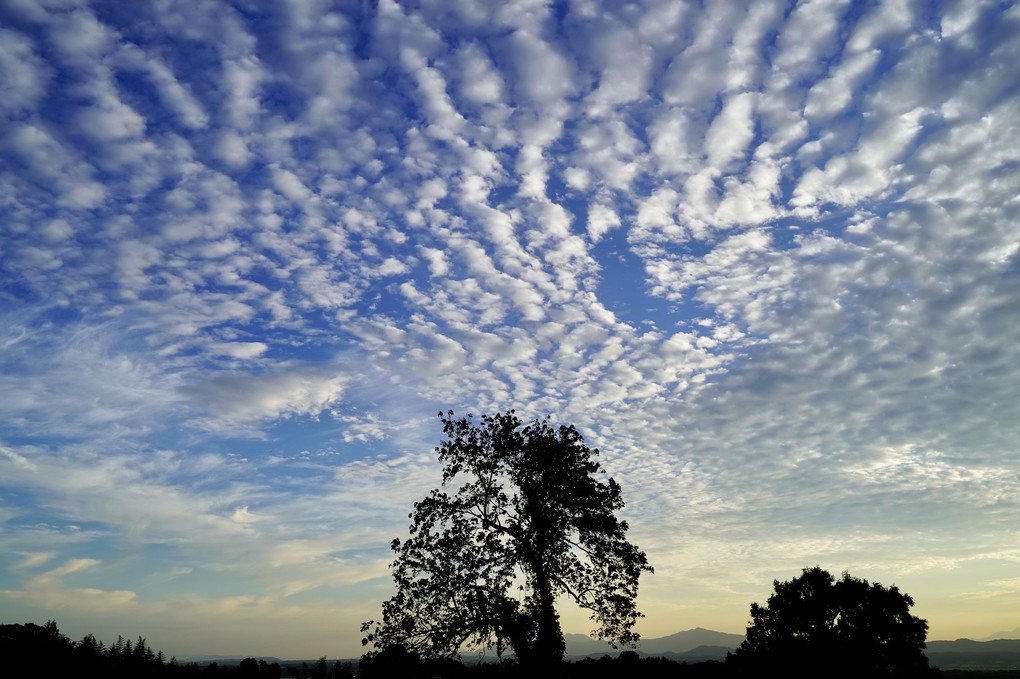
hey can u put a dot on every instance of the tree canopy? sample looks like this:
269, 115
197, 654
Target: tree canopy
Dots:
524, 515
815, 625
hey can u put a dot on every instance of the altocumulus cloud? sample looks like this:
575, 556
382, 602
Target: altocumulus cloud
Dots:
763, 254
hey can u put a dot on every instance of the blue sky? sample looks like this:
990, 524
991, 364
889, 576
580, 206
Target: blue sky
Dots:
763, 255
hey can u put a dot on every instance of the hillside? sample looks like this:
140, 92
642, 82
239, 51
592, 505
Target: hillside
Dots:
698, 644
966, 653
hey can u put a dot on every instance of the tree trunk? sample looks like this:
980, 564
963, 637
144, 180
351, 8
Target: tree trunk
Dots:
549, 647
516, 629
547, 652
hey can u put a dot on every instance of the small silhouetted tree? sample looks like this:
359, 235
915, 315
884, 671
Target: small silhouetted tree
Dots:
815, 625
270, 670
523, 516
247, 669
341, 671
321, 669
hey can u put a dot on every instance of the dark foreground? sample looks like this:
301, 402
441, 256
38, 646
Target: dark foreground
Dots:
30, 650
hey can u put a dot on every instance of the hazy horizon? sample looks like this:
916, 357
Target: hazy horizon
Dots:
764, 256
571, 643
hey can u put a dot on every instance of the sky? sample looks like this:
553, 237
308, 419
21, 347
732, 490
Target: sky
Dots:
763, 255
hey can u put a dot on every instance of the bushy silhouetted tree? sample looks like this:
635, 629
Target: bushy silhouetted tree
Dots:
35, 650
815, 626
392, 660
522, 518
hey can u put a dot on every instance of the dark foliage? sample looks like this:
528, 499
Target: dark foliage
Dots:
816, 626
32, 650
42, 651
520, 519
398, 663
250, 668
28, 647
321, 670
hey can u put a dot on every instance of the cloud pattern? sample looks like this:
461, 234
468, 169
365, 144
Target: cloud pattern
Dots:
764, 255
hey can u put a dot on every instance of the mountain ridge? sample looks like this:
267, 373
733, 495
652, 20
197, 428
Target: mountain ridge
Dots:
1010, 634
699, 644
679, 643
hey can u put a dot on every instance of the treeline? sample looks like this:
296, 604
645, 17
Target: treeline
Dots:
395, 662
32, 650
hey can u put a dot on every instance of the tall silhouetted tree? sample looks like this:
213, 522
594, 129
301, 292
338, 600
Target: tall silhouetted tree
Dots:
815, 625
521, 518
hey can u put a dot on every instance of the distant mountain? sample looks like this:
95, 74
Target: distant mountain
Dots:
964, 653
225, 659
971, 646
582, 644
1012, 634
699, 654
674, 645
697, 645
688, 640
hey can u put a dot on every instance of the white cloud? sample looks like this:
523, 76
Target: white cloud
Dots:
173, 93
806, 40
438, 264
544, 79
831, 96
241, 398
239, 350
601, 219
54, 164
24, 74
480, 82
17, 460
233, 149
626, 75
717, 238
391, 266
242, 515
730, 132
242, 78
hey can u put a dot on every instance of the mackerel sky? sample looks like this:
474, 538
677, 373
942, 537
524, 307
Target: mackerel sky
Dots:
763, 255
